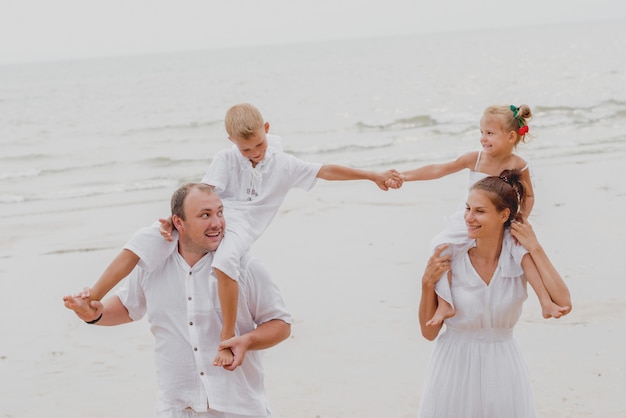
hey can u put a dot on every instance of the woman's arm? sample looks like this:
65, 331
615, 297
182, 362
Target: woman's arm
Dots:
552, 280
437, 265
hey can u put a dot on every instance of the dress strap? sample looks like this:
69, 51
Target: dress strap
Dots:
477, 160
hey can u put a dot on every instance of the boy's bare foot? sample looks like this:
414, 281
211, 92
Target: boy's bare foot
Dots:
224, 358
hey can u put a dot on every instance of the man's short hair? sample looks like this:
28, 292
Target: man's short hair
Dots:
178, 198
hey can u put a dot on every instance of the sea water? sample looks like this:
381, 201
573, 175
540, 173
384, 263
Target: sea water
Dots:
80, 135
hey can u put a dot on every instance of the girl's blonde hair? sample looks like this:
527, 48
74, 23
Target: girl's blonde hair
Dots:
513, 119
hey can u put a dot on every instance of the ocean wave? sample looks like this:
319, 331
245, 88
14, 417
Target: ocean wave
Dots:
412, 122
544, 115
158, 162
11, 198
605, 111
337, 148
81, 192
78, 250
172, 127
23, 157
20, 174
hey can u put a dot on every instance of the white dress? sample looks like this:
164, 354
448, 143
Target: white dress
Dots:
455, 231
477, 369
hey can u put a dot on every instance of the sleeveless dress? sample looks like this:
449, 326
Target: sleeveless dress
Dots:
477, 369
455, 232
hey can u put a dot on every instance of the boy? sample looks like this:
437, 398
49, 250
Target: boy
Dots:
252, 178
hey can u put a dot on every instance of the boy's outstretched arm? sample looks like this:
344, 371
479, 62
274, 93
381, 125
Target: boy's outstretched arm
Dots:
337, 172
120, 267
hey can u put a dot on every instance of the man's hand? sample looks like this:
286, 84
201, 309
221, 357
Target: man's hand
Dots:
239, 347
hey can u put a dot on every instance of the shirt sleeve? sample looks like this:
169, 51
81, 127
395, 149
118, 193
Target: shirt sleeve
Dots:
218, 172
132, 296
265, 301
151, 248
302, 173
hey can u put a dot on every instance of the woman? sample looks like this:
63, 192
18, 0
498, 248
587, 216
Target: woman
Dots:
477, 369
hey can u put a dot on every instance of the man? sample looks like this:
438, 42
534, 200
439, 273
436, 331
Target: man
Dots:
181, 302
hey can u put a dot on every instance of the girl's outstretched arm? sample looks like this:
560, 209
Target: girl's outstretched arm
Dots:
436, 171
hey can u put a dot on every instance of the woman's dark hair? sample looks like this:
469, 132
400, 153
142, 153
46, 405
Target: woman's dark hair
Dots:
506, 191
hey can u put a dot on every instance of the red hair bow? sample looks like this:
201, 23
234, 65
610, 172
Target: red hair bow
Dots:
523, 130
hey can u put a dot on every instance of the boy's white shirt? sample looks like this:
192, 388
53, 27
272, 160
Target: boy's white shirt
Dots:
252, 196
247, 214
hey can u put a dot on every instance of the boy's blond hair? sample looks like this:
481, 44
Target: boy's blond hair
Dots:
242, 121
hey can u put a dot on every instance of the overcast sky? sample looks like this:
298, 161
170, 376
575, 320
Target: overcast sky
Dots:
32, 30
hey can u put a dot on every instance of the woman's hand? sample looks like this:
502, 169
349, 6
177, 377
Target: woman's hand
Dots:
437, 265
524, 234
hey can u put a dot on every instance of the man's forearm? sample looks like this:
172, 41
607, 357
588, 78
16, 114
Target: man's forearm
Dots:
268, 334
114, 312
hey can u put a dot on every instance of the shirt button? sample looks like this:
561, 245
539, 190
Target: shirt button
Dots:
195, 349
189, 298
190, 273
190, 323
201, 373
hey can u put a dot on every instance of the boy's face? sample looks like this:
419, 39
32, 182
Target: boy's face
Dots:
255, 146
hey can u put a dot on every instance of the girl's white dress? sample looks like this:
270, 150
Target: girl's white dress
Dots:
477, 369
455, 231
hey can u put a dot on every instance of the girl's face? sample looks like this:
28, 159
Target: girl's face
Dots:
481, 216
494, 139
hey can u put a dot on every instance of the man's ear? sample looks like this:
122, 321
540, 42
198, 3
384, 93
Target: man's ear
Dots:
177, 222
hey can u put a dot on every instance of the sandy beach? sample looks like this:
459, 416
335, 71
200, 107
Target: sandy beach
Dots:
348, 258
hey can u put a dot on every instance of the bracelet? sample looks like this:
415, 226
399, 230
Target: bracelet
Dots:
95, 320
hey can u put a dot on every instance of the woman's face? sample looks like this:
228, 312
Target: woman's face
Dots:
481, 216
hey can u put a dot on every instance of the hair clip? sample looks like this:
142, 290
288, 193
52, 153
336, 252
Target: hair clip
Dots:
523, 130
514, 109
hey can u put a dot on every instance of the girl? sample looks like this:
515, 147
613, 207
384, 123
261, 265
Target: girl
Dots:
502, 128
